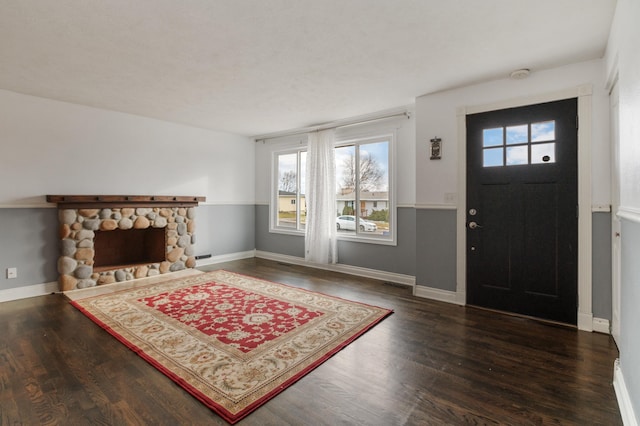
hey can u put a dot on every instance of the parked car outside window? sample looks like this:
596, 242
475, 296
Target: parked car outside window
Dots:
348, 223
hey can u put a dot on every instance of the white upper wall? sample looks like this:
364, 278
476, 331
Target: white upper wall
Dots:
52, 147
437, 116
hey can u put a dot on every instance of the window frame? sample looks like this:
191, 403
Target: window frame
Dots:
364, 139
273, 209
357, 140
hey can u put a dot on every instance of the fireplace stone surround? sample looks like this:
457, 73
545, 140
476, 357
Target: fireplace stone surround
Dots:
81, 217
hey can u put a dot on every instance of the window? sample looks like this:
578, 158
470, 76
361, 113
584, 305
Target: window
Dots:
362, 192
364, 208
531, 143
290, 204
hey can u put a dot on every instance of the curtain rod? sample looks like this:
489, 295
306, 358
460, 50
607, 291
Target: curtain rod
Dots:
332, 125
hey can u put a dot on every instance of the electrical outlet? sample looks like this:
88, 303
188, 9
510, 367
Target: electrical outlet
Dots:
12, 273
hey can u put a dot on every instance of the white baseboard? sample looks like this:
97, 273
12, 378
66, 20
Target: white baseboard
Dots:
28, 291
419, 291
346, 269
226, 258
585, 321
438, 294
601, 325
622, 394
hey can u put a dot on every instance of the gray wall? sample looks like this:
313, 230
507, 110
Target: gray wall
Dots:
290, 245
629, 310
225, 229
29, 242
436, 248
601, 261
398, 259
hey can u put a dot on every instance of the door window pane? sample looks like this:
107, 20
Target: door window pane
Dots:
543, 131
543, 153
517, 134
493, 157
517, 155
492, 137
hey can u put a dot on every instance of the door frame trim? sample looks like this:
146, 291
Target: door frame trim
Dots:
616, 226
584, 94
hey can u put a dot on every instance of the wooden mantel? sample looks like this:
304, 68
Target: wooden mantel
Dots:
105, 201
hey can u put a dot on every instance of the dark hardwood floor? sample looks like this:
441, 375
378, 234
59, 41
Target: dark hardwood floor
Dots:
428, 363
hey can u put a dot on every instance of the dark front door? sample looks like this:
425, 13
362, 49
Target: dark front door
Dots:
522, 225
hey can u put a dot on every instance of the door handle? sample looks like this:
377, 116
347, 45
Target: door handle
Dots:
473, 225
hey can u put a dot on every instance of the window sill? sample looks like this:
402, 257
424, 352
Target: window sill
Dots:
349, 238
367, 240
286, 231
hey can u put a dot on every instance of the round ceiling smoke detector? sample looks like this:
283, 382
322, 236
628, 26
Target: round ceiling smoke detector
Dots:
520, 74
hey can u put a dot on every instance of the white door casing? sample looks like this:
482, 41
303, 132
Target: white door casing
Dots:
584, 94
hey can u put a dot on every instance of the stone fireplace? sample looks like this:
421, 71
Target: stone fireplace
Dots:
107, 239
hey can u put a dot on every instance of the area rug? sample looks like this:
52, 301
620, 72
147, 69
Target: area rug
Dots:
231, 340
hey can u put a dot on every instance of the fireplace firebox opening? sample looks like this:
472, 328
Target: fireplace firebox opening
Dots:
122, 248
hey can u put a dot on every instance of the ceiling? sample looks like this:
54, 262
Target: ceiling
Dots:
260, 66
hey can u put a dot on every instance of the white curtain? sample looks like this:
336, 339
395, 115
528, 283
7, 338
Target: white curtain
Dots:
320, 195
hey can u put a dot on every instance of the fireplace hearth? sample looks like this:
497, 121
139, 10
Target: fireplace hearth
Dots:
107, 239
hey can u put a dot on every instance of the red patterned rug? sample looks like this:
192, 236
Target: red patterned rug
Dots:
231, 340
